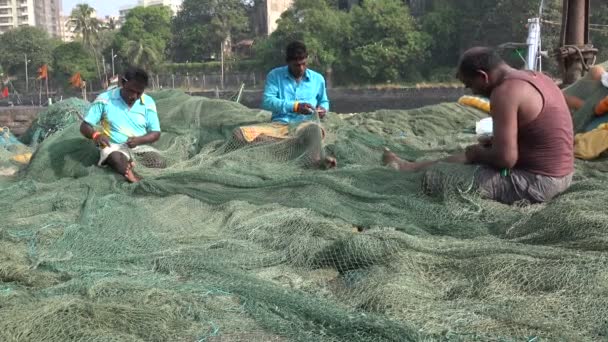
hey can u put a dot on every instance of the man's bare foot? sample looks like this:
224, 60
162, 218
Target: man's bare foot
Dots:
329, 163
130, 175
393, 161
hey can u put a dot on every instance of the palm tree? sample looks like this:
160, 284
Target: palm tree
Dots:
142, 55
84, 22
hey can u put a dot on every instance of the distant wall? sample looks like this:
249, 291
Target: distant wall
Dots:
18, 119
344, 100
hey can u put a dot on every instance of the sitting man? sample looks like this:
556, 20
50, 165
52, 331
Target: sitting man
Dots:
530, 156
128, 119
293, 93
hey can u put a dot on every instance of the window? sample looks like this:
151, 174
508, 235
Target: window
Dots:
6, 20
5, 11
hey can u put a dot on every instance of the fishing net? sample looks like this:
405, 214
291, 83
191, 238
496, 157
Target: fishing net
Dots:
54, 119
235, 242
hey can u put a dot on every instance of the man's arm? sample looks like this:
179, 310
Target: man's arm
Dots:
91, 119
503, 153
271, 100
152, 126
322, 99
149, 138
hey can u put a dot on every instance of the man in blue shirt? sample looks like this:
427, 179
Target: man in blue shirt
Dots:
295, 95
126, 118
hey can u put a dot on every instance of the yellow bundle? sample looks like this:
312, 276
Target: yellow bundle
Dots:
591, 144
475, 102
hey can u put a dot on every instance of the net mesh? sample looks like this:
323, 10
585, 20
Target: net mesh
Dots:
226, 242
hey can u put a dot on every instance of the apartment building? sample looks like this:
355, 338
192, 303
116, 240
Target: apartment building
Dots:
39, 13
16, 13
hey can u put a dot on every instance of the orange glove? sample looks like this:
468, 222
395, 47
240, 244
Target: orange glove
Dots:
602, 107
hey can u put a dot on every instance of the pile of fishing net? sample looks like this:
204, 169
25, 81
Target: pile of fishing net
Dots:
228, 242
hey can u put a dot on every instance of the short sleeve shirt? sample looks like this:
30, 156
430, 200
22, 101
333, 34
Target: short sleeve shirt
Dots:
118, 121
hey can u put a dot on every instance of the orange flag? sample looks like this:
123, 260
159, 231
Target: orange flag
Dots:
76, 80
43, 72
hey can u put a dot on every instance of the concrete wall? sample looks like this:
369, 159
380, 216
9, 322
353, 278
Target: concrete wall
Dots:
365, 100
18, 119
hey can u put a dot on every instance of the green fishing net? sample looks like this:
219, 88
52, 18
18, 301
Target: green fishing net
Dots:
223, 241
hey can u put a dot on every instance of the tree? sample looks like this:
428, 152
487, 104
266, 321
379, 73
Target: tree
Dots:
71, 58
386, 44
201, 26
140, 54
84, 23
145, 35
323, 29
31, 41
599, 30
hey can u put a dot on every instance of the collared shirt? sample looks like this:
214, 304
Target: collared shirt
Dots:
119, 122
282, 92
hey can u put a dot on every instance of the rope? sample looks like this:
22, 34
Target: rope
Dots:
578, 51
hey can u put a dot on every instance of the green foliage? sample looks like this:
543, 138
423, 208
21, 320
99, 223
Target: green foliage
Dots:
201, 26
324, 29
84, 23
32, 41
386, 44
376, 42
599, 34
71, 58
144, 37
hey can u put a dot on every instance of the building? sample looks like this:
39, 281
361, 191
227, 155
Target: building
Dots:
111, 22
39, 13
269, 12
66, 32
175, 6
16, 13
47, 16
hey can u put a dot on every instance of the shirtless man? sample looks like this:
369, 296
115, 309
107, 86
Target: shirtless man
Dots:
530, 156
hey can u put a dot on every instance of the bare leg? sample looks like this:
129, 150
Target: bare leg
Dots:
312, 137
121, 165
392, 160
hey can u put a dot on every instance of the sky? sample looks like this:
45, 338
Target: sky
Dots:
103, 7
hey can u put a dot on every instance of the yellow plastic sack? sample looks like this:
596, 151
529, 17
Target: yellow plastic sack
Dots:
591, 144
475, 102
22, 158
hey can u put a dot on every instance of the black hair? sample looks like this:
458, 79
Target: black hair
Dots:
296, 51
478, 59
136, 74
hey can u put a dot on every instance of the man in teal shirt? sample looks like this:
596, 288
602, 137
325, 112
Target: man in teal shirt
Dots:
293, 93
127, 119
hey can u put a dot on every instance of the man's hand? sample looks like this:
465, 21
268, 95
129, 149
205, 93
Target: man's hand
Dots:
322, 112
485, 140
305, 108
133, 142
102, 141
472, 153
